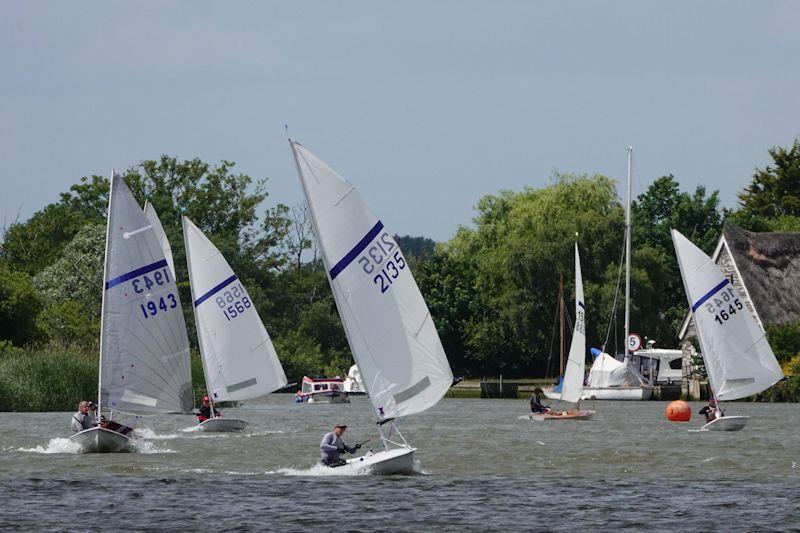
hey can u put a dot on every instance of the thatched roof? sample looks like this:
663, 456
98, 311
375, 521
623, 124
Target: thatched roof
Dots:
769, 264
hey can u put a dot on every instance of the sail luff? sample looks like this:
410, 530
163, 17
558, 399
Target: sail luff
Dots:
103, 299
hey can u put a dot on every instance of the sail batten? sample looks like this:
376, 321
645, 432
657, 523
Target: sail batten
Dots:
387, 323
239, 358
739, 360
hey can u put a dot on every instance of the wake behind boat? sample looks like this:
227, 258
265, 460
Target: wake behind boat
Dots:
144, 350
738, 358
388, 326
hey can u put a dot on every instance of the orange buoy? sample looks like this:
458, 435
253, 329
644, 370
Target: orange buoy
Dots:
679, 411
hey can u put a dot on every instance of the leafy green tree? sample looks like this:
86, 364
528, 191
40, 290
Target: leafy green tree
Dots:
20, 304
775, 190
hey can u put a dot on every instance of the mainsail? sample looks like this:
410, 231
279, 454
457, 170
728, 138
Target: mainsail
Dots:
738, 358
573, 375
144, 350
388, 325
238, 356
152, 216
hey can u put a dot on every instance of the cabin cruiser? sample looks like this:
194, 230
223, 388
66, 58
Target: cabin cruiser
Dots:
322, 390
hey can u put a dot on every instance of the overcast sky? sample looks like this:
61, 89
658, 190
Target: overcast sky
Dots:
425, 106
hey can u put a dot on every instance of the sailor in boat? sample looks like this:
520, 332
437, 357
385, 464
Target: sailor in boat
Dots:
84, 418
711, 411
536, 402
332, 446
205, 411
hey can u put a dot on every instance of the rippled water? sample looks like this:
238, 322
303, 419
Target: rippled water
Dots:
481, 467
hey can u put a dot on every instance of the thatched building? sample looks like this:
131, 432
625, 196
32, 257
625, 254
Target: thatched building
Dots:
765, 270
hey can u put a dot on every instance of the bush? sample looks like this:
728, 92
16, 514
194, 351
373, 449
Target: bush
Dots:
51, 378
20, 304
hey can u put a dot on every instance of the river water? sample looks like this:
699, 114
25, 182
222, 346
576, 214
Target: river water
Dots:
480, 468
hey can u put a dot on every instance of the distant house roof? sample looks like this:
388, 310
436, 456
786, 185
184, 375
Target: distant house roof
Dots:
769, 266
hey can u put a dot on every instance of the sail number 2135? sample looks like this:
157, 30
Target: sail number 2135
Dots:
383, 261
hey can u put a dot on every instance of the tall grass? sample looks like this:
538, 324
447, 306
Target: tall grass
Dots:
56, 378
49, 378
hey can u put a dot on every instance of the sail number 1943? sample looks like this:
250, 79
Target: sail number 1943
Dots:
383, 261
724, 305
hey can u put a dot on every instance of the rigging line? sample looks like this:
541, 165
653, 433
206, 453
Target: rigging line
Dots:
552, 341
616, 294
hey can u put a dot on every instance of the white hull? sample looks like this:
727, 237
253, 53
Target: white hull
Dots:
222, 425
101, 440
328, 398
726, 423
576, 415
617, 393
384, 463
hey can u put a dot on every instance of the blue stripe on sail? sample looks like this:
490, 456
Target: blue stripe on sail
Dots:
583, 306
135, 273
709, 294
357, 249
215, 290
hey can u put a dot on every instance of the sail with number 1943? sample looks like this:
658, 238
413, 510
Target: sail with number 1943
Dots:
387, 323
144, 349
739, 360
239, 360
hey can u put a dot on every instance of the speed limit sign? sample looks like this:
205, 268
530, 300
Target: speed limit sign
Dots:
634, 342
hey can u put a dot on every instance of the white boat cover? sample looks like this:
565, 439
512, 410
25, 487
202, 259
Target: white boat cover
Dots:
388, 326
144, 350
152, 216
738, 358
607, 372
238, 356
573, 375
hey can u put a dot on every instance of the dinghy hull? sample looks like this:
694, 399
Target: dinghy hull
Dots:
574, 415
726, 423
223, 425
397, 461
101, 440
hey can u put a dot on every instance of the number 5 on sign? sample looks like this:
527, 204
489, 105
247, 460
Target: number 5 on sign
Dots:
634, 342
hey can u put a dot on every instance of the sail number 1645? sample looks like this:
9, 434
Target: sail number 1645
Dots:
724, 305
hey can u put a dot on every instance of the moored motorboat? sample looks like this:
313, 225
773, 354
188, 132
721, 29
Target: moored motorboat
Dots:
322, 390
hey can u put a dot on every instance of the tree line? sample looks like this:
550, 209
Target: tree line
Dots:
491, 289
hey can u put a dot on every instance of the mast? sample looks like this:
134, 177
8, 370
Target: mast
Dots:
99, 415
561, 324
628, 259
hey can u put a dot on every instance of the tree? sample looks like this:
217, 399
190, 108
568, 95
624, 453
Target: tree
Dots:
19, 306
775, 190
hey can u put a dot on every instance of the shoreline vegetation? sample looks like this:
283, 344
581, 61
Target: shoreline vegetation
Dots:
491, 288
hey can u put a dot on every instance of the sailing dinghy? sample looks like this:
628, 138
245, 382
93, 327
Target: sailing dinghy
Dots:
572, 386
144, 350
738, 358
388, 326
239, 360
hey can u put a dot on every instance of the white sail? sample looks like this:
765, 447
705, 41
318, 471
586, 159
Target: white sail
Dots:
238, 356
738, 358
144, 350
573, 375
388, 325
152, 216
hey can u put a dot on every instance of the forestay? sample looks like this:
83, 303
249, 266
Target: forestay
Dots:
144, 350
388, 326
161, 235
573, 375
238, 356
738, 357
